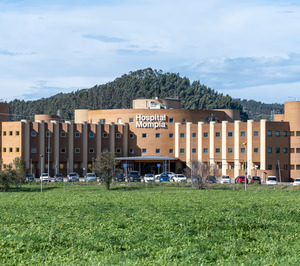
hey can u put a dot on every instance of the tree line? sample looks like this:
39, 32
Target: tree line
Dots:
146, 83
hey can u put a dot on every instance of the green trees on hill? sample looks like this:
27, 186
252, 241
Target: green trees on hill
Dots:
119, 94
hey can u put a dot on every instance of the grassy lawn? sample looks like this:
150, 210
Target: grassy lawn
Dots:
159, 225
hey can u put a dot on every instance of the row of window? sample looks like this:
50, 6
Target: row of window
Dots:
11, 133
77, 134
11, 150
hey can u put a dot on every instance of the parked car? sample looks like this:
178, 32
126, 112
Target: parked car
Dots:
164, 178
272, 180
157, 177
134, 176
241, 180
170, 174
45, 177
59, 178
73, 177
149, 178
30, 178
256, 179
179, 178
211, 179
225, 179
120, 178
90, 177
296, 182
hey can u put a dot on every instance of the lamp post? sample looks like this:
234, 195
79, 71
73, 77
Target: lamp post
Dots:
41, 172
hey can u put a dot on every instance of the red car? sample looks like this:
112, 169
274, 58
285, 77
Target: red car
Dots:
241, 180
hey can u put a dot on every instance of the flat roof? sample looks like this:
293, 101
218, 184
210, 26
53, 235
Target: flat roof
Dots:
146, 158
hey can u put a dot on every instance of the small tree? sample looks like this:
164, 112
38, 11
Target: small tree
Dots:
106, 165
20, 168
200, 171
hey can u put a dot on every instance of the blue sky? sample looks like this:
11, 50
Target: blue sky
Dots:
248, 49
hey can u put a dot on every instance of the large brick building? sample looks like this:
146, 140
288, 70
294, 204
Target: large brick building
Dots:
157, 132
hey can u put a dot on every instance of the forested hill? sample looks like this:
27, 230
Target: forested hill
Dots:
119, 94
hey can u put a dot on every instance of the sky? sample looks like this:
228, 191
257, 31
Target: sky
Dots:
247, 49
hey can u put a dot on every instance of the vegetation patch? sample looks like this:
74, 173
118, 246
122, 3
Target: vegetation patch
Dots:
162, 225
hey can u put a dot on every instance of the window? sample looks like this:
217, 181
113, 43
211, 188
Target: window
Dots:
48, 134
285, 150
91, 135
297, 150
205, 135
119, 121
277, 150
171, 135
144, 135
256, 150
131, 151
181, 135
17, 149
285, 167
171, 120
63, 150
230, 134
230, 150
48, 150
181, 151
157, 135
297, 167
17, 133
61, 166
194, 151
105, 135
270, 150
63, 134
10, 149
130, 120
243, 150
91, 150
277, 133
118, 150
33, 150
292, 133
4, 149
269, 133
102, 121
218, 150
105, 150
157, 151
256, 133
118, 135
77, 150
194, 135
218, 134
144, 151
131, 135
297, 133
4, 133
269, 166
292, 167
205, 151
243, 134
183, 120
10, 133
171, 151
77, 135
285, 133
292, 150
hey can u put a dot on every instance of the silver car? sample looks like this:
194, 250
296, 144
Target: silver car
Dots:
73, 177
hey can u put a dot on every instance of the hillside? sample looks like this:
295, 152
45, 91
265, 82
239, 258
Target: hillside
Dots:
119, 94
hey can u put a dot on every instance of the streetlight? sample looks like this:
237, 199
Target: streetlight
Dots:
41, 172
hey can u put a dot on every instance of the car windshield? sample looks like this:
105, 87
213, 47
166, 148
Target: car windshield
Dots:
91, 175
272, 179
29, 175
134, 173
149, 175
182, 176
297, 180
225, 177
72, 174
44, 174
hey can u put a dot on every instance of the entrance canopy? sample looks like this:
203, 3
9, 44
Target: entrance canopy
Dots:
147, 158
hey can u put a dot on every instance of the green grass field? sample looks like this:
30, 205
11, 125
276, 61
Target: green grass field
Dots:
87, 225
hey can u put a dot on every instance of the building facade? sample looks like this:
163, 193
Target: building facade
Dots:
154, 136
